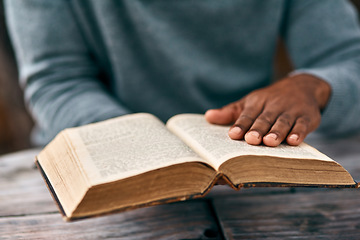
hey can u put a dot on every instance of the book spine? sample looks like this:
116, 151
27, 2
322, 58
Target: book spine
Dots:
51, 190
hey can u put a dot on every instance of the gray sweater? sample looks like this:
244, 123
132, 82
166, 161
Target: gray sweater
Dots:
86, 61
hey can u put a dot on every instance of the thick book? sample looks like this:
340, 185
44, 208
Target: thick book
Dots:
135, 160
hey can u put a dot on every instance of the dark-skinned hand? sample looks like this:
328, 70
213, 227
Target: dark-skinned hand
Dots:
287, 110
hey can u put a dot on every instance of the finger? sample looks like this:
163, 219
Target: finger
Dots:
261, 126
244, 122
300, 130
279, 130
225, 115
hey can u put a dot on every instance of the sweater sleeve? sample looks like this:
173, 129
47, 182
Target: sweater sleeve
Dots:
323, 39
57, 72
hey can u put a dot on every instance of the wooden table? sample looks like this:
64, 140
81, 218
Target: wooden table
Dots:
27, 210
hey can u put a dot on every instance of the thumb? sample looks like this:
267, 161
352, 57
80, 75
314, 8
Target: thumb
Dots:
225, 115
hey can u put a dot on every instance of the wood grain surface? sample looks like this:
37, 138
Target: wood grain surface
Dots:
318, 214
27, 210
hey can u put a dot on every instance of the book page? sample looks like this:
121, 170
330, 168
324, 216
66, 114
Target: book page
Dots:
213, 143
127, 146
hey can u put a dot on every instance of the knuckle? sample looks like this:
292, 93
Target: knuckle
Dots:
254, 98
268, 116
246, 117
265, 120
286, 116
302, 125
286, 120
304, 120
244, 121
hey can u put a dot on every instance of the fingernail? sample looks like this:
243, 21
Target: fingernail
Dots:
235, 130
254, 134
294, 137
272, 135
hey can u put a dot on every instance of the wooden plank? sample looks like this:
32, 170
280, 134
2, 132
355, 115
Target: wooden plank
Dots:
323, 214
27, 211
22, 189
183, 220
23, 192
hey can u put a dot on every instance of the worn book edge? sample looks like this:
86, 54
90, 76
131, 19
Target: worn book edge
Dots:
51, 189
123, 209
182, 198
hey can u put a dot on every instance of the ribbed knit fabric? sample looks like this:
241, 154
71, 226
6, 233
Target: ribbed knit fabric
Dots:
86, 61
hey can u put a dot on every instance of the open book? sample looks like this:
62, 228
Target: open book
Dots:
135, 160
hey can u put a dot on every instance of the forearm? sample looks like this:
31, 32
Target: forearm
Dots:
69, 104
57, 70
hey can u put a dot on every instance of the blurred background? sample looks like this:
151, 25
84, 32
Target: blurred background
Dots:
16, 123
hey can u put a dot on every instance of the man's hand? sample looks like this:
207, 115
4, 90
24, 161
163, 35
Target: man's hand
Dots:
288, 109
